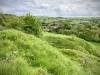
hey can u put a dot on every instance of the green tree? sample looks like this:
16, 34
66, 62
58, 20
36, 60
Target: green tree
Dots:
99, 25
17, 23
32, 25
2, 19
28, 24
85, 35
96, 37
81, 28
66, 26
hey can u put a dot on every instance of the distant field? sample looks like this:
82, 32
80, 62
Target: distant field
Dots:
50, 19
72, 20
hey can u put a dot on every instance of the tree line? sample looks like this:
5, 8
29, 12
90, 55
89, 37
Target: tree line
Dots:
26, 23
86, 28
30, 24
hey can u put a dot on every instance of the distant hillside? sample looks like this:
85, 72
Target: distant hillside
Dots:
9, 15
24, 54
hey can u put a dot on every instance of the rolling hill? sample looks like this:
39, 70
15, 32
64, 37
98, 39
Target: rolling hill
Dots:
25, 54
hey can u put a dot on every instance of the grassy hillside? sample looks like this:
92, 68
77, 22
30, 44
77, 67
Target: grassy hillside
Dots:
97, 45
24, 54
70, 42
79, 50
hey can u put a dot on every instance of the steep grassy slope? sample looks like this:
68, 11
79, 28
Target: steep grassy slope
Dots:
70, 42
77, 50
24, 54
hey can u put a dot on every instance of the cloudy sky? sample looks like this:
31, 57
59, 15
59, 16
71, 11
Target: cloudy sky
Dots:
61, 8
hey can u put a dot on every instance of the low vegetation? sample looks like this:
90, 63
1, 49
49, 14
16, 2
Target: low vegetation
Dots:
19, 51
77, 50
26, 50
26, 23
82, 27
22, 54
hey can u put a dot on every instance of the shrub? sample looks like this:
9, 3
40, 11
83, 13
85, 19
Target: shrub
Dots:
96, 37
28, 24
85, 35
32, 25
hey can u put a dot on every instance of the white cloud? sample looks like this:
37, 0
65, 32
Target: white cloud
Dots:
4, 9
52, 7
44, 5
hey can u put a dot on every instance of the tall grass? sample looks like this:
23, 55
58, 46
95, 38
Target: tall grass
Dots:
77, 50
70, 42
19, 66
24, 54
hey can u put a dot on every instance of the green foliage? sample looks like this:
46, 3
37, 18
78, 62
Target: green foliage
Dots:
19, 66
85, 35
28, 24
77, 50
17, 23
66, 26
24, 54
81, 27
70, 42
96, 38
32, 25
2, 28
69, 52
97, 45
2, 20
99, 24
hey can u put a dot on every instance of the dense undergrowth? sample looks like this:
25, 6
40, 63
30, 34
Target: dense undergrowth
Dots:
25, 54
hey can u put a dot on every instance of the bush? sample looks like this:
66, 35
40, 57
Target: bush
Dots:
2, 19
32, 25
28, 24
85, 35
96, 37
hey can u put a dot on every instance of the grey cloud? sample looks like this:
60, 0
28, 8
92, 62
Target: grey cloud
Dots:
52, 7
95, 0
5, 3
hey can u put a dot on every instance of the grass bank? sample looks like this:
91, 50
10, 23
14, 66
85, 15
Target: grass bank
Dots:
25, 54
